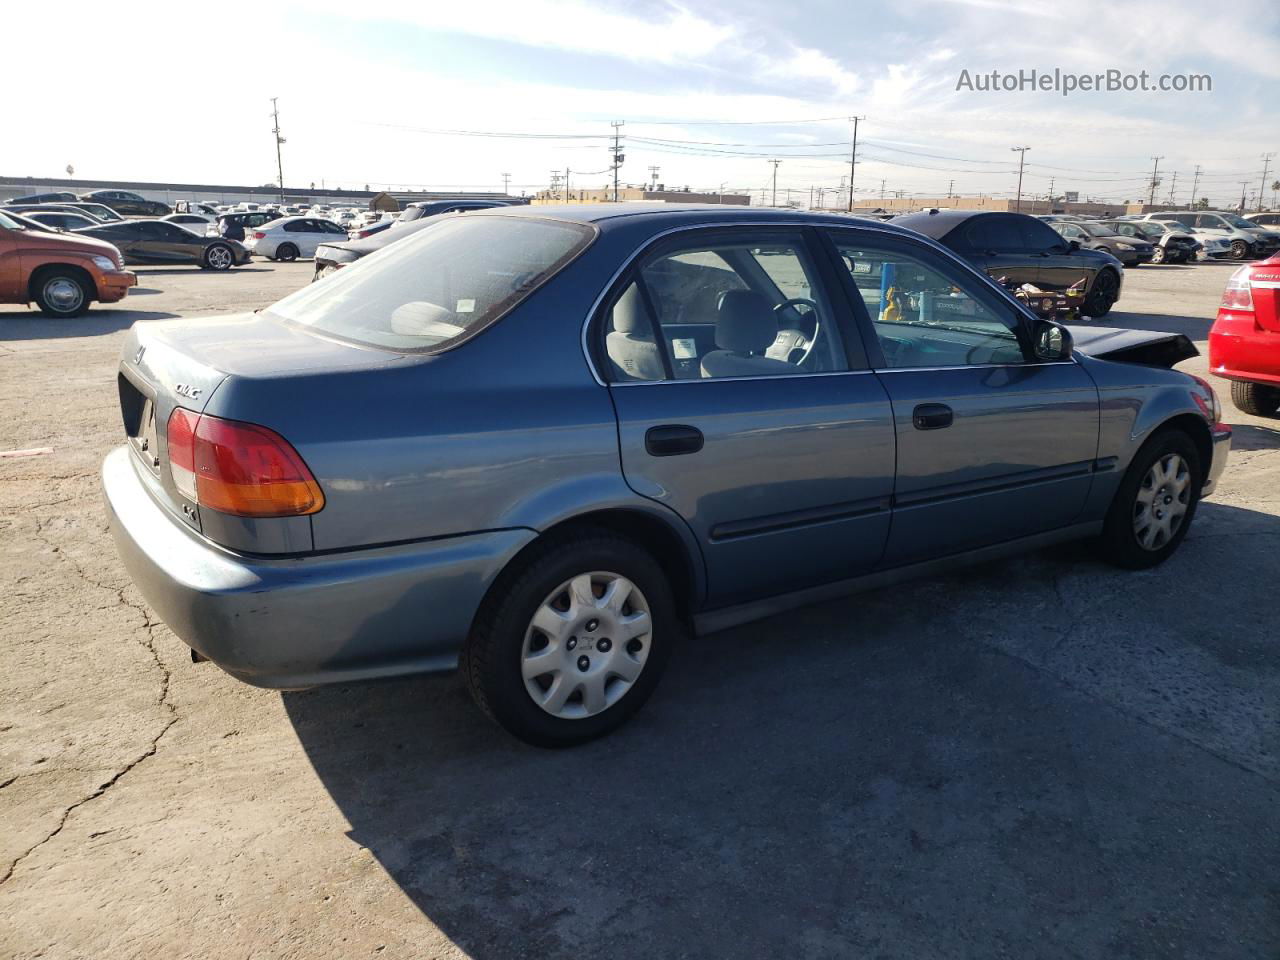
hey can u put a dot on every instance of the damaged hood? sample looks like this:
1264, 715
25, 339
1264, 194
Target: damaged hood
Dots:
1147, 347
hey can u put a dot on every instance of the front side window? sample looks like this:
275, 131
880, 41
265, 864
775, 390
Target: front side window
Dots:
926, 315
439, 286
744, 304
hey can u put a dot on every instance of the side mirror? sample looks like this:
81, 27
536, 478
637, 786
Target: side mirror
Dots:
1073, 245
1052, 342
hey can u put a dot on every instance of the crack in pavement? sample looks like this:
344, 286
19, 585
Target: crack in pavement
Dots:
148, 625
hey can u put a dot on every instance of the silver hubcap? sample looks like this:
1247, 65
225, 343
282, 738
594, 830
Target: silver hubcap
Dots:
1161, 505
220, 257
63, 294
586, 645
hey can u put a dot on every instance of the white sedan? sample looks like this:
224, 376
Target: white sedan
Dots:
197, 223
292, 237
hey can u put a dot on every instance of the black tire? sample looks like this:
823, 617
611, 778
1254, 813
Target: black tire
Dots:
286, 252
1103, 295
491, 658
62, 293
1255, 399
1239, 250
1119, 543
218, 256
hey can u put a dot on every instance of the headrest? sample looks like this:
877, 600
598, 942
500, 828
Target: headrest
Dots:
630, 315
744, 322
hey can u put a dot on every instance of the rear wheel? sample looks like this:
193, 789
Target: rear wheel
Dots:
286, 251
218, 256
1155, 504
1255, 399
62, 293
1105, 292
571, 642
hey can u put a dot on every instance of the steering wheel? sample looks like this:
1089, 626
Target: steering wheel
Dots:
790, 339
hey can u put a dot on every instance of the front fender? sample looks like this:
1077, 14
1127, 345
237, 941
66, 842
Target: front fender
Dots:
1135, 402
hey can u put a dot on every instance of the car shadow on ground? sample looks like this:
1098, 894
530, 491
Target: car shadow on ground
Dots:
1247, 436
871, 776
142, 271
96, 323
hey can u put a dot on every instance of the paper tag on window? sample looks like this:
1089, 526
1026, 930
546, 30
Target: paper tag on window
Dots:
684, 349
466, 306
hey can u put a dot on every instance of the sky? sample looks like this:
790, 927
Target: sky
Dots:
405, 94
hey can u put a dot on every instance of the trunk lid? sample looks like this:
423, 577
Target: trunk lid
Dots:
183, 363
1264, 284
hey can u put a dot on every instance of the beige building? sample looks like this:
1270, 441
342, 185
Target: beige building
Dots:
1030, 205
636, 195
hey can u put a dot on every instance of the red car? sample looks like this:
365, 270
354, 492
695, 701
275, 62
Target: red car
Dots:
1244, 344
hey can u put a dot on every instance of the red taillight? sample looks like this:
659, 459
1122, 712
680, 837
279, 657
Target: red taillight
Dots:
239, 468
1238, 295
259, 235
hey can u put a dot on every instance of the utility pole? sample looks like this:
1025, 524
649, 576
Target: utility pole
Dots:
506, 183
566, 184
775, 163
1022, 156
1244, 185
882, 189
853, 160
618, 155
275, 113
1194, 184
653, 177
555, 184
1262, 187
951, 189
1173, 186
1155, 181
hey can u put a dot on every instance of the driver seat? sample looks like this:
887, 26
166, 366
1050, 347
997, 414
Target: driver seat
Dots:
745, 328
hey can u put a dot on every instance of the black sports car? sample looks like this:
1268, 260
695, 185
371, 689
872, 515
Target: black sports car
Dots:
156, 241
128, 204
1018, 249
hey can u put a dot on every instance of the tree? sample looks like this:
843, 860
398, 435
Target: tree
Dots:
1202, 203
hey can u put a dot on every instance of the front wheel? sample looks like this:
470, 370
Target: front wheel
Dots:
1155, 504
62, 294
219, 257
1239, 250
1105, 292
570, 643
1255, 399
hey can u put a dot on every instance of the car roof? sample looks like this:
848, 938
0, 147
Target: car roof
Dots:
940, 223
606, 215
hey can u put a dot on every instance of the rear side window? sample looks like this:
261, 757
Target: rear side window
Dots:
433, 290
995, 235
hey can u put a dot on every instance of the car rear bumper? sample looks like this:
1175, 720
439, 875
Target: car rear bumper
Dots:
1241, 350
288, 622
113, 286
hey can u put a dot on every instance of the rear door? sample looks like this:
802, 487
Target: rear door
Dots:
781, 468
992, 445
995, 244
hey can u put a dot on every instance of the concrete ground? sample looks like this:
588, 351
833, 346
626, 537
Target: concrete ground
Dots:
1038, 758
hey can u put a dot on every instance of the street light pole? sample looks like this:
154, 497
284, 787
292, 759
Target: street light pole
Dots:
1022, 156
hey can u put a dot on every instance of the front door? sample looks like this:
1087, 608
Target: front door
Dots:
992, 445
745, 407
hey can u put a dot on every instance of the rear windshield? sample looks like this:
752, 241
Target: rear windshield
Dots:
431, 290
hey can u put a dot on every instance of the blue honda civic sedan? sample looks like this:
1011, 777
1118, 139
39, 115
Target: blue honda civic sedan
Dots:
545, 445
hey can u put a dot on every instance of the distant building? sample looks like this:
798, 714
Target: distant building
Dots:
1090, 208
230, 193
636, 195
